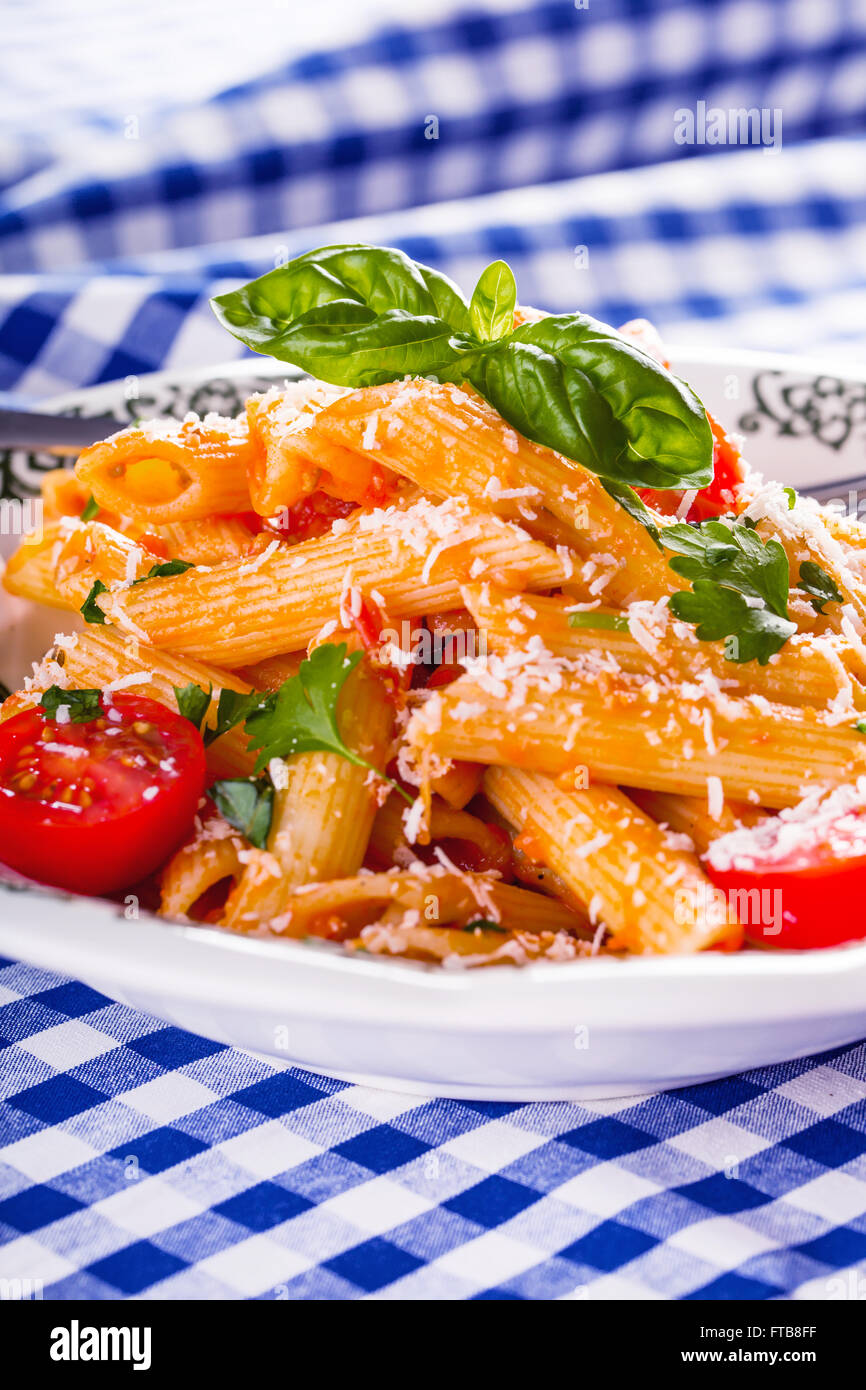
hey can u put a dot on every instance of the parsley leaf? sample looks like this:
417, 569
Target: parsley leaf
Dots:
733, 556
164, 570
247, 803
90, 609
816, 581
83, 705
860, 726
611, 622
484, 924
302, 716
193, 702
791, 496
718, 612
233, 708
90, 509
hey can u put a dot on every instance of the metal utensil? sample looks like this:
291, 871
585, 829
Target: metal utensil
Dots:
56, 434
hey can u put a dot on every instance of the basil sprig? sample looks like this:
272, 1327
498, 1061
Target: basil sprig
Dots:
363, 315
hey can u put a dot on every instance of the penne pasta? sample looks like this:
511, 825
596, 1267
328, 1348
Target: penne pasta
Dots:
690, 815
234, 615
166, 471
618, 863
29, 572
807, 671
479, 457
583, 722
324, 812
212, 857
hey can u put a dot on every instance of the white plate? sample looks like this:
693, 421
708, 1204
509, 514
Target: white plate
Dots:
588, 1029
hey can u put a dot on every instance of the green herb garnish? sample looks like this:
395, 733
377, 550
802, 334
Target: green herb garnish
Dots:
83, 705
822, 586
193, 702
90, 509
484, 924
610, 622
233, 708
362, 315
90, 610
301, 717
165, 570
636, 508
247, 803
728, 565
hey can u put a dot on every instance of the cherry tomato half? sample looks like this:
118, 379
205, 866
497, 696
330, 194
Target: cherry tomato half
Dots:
93, 807
810, 896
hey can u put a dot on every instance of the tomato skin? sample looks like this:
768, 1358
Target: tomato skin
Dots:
110, 837
817, 899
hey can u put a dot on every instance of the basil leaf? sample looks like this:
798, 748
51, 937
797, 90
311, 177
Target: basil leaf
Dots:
83, 705
636, 508
668, 440
90, 610
193, 702
377, 279
860, 726
363, 315
609, 622
822, 586
91, 509
346, 344
556, 407
247, 803
491, 309
753, 633
484, 924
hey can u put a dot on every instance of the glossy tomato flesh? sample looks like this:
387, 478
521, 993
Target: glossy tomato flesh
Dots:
814, 898
94, 807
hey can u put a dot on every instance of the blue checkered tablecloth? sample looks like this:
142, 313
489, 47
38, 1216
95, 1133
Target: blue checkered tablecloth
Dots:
141, 1161
150, 156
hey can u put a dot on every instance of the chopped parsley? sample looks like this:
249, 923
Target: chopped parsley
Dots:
165, 570
301, 717
816, 581
91, 509
90, 610
83, 705
247, 803
611, 622
193, 702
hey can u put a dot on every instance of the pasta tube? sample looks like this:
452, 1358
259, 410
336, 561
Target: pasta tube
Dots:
415, 560
615, 860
